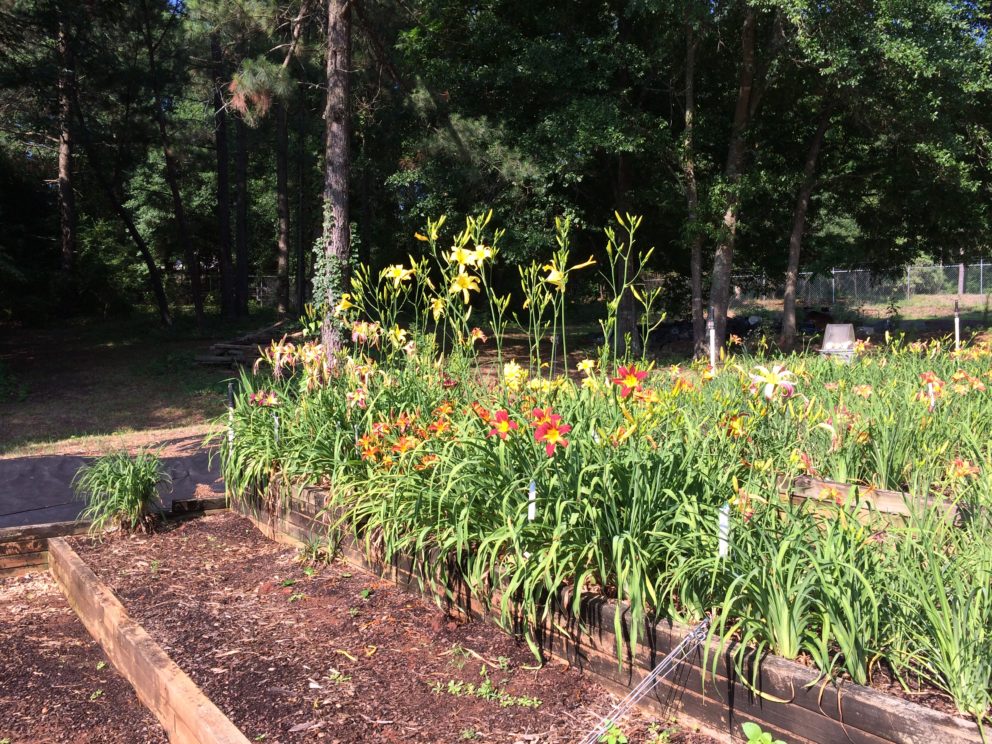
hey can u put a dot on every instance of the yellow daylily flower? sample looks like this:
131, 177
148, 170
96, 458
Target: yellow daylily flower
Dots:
482, 253
464, 283
344, 305
462, 257
437, 308
398, 274
555, 276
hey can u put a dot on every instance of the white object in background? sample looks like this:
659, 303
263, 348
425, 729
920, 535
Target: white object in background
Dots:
957, 327
532, 502
838, 340
711, 327
230, 426
724, 531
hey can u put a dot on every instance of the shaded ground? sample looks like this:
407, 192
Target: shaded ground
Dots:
334, 654
38, 489
55, 684
91, 378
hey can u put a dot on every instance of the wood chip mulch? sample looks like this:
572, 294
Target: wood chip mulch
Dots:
55, 683
339, 655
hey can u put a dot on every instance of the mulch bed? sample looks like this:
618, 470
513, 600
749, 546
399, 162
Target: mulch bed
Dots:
55, 683
338, 655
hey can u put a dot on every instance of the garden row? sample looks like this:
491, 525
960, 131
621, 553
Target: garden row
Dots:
529, 481
225, 634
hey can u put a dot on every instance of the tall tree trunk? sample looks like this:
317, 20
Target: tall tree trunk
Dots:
228, 304
788, 336
301, 248
336, 166
282, 167
154, 274
67, 197
724, 255
241, 290
190, 257
692, 196
282, 209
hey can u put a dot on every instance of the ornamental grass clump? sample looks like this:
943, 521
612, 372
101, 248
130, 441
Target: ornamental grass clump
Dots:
121, 490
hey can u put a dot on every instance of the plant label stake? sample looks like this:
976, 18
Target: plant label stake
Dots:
723, 530
532, 501
711, 328
957, 327
933, 398
275, 425
230, 413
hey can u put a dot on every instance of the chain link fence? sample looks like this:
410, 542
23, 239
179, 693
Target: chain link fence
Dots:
971, 284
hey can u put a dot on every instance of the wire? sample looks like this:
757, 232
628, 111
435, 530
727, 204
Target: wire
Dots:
675, 657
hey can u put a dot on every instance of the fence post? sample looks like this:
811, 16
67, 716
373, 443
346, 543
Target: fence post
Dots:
981, 276
907, 282
833, 286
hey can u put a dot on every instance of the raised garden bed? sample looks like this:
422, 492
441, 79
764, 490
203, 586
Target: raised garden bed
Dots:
57, 686
795, 706
333, 653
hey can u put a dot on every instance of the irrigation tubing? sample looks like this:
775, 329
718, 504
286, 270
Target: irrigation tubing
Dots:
676, 656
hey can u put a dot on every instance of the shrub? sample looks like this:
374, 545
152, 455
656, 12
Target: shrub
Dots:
120, 489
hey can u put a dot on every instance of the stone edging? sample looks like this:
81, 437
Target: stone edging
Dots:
186, 714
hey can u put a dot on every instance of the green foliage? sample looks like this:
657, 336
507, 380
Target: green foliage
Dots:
755, 734
614, 735
120, 490
432, 455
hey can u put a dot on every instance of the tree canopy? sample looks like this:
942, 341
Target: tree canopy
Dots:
160, 152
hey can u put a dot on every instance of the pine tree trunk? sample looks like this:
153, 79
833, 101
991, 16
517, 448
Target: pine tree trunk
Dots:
67, 197
228, 306
788, 336
282, 209
241, 290
336, 166
723, 257
692, 197
190, 257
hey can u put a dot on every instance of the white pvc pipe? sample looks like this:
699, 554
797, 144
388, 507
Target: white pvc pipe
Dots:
712, 329
723, 524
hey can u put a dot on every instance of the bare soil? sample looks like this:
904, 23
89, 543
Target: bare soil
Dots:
334, 654
55, 683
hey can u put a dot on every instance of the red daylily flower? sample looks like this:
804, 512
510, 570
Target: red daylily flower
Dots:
552, 434
629, 379
544, 416
405, 444
502, 425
